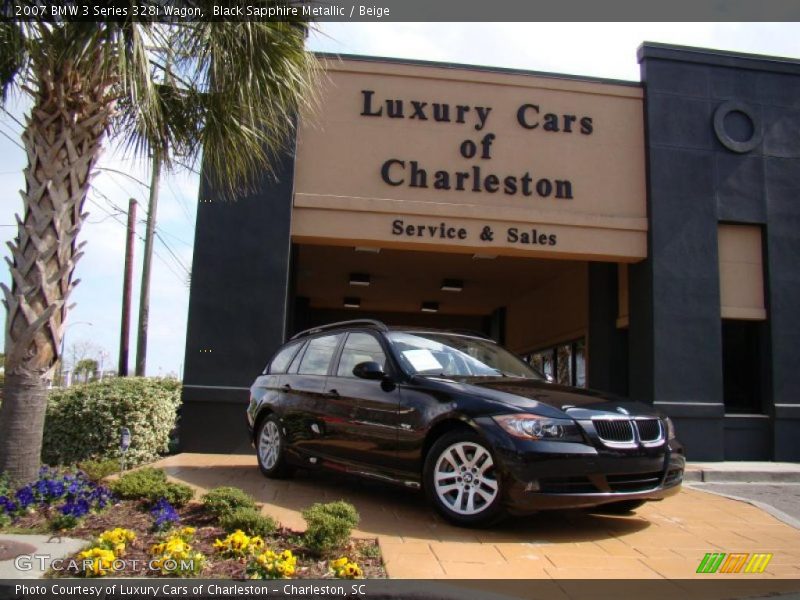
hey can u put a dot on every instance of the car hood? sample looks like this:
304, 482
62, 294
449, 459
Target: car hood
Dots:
531, 394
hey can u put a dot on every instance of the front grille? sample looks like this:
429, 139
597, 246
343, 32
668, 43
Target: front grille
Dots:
649, 430
614, 430
633, 482
567, 485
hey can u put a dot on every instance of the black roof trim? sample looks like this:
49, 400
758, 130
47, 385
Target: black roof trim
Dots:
370, 323
720, 58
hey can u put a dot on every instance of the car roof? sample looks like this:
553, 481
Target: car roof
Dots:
382, 327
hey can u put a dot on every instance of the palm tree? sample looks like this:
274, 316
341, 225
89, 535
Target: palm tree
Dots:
230, 90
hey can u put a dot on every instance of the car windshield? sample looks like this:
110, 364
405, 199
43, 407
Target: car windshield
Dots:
450, 355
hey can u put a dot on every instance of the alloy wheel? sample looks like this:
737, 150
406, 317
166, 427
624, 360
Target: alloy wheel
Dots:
464, 478
269, 445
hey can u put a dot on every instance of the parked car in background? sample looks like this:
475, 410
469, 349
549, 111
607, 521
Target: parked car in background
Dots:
480, 431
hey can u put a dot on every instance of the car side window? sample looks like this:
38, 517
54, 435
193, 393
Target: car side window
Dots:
280, 363
360, 347
318, 355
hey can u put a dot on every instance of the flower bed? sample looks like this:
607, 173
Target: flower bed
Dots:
159, 539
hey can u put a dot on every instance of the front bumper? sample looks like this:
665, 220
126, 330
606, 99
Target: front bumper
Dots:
559, 475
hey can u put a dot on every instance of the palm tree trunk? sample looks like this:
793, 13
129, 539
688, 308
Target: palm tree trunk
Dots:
62, 140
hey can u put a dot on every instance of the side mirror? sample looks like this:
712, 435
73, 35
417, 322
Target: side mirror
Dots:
369, 370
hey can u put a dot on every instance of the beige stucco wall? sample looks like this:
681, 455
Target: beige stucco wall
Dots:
342, 198
556, 311
741, 272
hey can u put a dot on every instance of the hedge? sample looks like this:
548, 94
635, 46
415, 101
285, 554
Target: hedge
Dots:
84, 421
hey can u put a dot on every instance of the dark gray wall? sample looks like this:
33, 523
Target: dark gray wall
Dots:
237, 307
608, 345
694, 183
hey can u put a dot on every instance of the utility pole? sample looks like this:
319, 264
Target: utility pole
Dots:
149, 239
127, 284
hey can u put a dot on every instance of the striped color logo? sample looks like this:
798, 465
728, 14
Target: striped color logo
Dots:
735, 562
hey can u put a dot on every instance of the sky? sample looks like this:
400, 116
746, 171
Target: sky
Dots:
605, 50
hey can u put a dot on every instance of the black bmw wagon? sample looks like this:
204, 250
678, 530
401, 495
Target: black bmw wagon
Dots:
479, 430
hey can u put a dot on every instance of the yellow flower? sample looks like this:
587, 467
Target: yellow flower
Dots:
339, 562
96, 561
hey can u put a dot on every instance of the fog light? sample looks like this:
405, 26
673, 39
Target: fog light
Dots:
532, 486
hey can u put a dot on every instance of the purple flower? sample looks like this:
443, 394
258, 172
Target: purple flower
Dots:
164, 514
25, 496
75, 508
7, 505
55, 488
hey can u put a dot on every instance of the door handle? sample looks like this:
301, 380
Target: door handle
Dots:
287, 388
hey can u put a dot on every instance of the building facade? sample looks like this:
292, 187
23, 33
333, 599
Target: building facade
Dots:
638, 238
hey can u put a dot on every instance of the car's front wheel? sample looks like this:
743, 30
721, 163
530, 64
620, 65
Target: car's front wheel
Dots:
462, 479
270, 444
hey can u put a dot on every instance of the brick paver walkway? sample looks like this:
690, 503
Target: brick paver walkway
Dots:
661, 540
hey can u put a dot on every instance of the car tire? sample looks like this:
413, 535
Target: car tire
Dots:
618, 508
270, 449
462, 480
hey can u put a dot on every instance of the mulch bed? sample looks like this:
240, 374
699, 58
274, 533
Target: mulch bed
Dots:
132, 514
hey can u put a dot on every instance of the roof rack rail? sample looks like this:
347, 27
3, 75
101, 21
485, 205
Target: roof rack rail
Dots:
458, 331
354, 323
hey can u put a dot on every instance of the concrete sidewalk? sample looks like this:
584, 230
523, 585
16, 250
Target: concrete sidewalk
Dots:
742, 472
662, 540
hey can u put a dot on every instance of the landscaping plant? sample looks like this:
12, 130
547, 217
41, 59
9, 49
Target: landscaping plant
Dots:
272, 565
151, 485
249, 520
329, 525
221, 501
164, 515
344, 568
83, 422
238, 544
70, 494
98, 469
175, 555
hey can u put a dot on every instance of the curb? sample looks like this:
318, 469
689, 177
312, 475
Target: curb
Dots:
778, 514
722, 476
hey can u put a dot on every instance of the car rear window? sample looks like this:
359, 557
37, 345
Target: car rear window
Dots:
318, 355
282, 359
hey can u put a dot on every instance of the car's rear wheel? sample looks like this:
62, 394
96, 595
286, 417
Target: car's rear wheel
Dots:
618, 508
462, 479
270, 449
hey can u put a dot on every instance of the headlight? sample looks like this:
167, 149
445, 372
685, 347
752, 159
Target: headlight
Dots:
535, 427
670, 428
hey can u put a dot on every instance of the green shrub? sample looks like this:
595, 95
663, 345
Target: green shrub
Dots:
151, 485
329, 525
139, 483
61, 522
248, 520
84, 421
98, 469
221, 501
177, 494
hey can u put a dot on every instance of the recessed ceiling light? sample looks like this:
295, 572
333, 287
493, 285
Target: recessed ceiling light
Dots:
484, 256
452, 285
367, 249
352, 302
361, 279
430, 307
